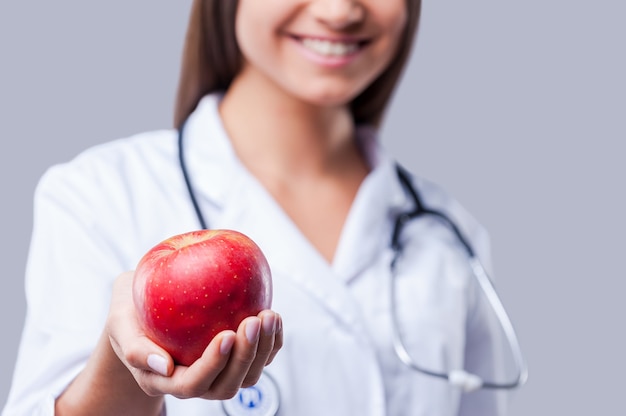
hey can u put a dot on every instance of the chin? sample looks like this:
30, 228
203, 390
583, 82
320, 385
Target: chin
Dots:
328, 97
330, 102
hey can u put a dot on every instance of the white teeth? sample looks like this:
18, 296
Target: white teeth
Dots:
329, 48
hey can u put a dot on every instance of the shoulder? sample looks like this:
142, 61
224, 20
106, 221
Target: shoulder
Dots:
432, 195
125, 193
436, 197
111, 180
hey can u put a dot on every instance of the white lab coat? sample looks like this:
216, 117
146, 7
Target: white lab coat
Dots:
98, 214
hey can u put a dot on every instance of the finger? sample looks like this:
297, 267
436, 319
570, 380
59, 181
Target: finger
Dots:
197, 379
269, 321
278, 340
241, 358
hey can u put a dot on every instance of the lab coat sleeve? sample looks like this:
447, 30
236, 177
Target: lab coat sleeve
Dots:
70, 269
484, 342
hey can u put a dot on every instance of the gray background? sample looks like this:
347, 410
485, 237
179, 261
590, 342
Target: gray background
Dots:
517, 108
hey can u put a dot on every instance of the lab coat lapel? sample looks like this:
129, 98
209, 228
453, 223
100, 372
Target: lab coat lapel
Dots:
368, 227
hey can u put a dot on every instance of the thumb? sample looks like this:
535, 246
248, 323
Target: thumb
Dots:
143, 354
130, 343
160, 364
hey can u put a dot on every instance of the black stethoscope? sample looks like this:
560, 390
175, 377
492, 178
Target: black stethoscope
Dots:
459, 378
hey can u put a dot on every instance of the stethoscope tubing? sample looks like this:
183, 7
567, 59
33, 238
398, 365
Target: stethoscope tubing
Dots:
460, 378
505, 322
187, 179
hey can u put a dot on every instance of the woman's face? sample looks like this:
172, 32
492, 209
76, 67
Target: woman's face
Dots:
321, 51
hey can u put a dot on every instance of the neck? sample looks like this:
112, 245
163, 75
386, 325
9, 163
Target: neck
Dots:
303, 154
277, 135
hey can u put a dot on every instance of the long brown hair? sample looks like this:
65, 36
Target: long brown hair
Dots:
211, 59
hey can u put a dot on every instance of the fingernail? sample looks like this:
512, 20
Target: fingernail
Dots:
269, 324
158, 364
227, 343
253, 327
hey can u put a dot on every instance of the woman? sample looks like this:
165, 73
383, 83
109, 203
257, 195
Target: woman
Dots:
280, 101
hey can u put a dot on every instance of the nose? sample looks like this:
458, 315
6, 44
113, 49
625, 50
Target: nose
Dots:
338, 14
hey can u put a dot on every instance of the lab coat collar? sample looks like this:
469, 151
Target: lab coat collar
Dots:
209, 153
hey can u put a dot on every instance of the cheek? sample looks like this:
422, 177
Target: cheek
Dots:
247, 24
392, 15
256, 33
395, 25
395, 22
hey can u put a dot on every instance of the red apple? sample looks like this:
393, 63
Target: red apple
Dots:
192, 286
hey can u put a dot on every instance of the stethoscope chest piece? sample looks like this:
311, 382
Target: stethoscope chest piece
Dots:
262, 399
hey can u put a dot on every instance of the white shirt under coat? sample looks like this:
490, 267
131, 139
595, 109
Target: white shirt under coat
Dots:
98, 214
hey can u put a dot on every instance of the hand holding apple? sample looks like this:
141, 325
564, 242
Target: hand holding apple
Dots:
138, 368
192, 286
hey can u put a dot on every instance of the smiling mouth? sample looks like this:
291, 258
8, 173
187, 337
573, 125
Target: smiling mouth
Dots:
331, 48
